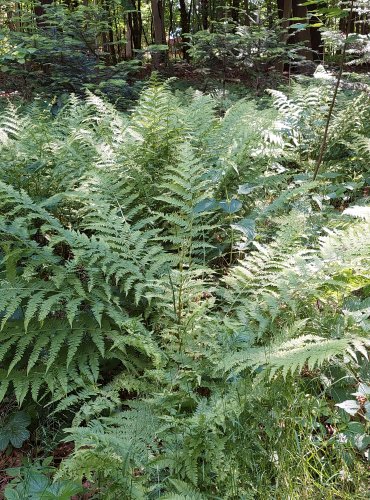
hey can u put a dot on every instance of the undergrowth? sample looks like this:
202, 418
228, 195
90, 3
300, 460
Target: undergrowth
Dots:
182, 302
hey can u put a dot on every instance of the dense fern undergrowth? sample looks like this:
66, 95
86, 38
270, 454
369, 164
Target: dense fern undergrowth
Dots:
181, 301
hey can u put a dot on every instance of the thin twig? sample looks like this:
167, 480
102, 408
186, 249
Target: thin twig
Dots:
331, 109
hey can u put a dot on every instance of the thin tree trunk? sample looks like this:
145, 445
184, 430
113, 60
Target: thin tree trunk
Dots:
247, 20
136, 24
108, 37
270, 14
185, 27
129, 48
285, 12
204, 11
159, 30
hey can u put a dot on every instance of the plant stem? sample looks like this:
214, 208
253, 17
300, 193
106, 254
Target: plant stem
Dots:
333, 101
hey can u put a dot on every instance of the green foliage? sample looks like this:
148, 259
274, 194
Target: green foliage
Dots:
72, 284
60, 51
32, 480
175, 286
14, 430
114, 451
227, 46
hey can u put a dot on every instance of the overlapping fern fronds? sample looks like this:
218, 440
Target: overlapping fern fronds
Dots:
115, 289
301, 296
187, 190
61, 287
114, 447
297, 132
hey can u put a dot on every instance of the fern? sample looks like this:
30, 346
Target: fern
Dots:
188, 188
79, 286
300, 125
127, 440
291, 292
159, 122
294, 355
181, 372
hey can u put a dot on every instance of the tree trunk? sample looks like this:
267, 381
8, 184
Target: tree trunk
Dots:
159, 30
247, 20
304, 35
108, 37
39, 10
137, 25
285, 12
9, 19
185, 27
285, 9
316, 43
235, 11
133, 34
311, 36
270, 11
204, 11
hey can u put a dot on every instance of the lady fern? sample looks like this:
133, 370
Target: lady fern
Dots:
120, 312
292, 292
62, 287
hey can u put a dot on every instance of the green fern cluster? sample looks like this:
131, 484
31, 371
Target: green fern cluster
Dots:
188, 329
295, 138
86, 247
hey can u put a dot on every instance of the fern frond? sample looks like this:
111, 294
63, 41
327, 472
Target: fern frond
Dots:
293, 355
